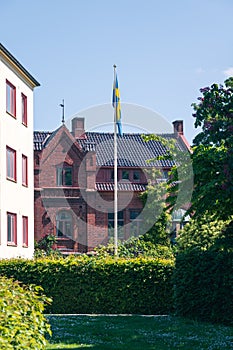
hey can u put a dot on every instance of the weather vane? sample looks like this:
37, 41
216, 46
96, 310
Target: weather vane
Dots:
63, 111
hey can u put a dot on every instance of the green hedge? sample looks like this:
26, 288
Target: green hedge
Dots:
22, 324
92, 285
204, 286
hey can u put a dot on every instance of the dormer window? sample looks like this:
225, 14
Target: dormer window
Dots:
64, 176
125, 175
136, 175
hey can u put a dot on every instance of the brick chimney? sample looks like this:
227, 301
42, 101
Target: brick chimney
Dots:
178, 127
78, 130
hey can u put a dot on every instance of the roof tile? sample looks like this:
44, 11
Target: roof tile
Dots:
133, 151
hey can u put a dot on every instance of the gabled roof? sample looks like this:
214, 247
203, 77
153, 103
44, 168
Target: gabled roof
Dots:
133, 151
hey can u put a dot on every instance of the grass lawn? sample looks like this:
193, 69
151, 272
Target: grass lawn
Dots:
136, 333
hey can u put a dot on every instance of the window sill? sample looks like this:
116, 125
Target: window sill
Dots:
12, 115
11, 244
25, 124
12, 180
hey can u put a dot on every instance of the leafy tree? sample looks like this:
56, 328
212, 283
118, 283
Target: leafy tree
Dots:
202, 233
153, 240
155, 219
213, 152
179, 187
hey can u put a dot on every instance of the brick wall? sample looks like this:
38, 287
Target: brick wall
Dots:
81, 200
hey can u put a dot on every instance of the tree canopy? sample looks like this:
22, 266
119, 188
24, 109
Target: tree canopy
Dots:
213, 151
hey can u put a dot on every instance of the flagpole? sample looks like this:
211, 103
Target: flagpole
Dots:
115, 175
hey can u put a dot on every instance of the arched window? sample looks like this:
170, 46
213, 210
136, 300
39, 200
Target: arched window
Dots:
64, 224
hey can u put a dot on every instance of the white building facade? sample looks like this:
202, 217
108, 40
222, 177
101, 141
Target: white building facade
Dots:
16, 158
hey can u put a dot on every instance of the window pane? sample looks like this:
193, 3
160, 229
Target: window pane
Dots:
64, 224
120, 219
59, 230
110, 216
120, 215
67, 176
59, 177
165, 174
64, 215
11, 163
67, 226
135, 222
24, 170
134, 214
120, 224
136, 175
125, 174
25, 230
24, 109
10, 99
11, 228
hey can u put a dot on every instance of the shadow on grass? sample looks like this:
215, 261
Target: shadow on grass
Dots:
136, 333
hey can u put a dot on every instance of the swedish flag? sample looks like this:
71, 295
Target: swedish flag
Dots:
117, 105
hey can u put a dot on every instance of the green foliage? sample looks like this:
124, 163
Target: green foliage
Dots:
225, 240
159, 233
96, 285
204, 285
179, 186
155, 243
136, 247
204, 264
45, 247
22, 324
202, 233
213, 152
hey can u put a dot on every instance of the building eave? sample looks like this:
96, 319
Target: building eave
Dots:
18, 66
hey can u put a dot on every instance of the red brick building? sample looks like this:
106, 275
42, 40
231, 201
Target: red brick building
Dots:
74, 183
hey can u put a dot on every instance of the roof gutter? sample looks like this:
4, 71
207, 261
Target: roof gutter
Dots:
18, 66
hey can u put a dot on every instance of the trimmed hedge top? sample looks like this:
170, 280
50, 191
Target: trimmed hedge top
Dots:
99, 285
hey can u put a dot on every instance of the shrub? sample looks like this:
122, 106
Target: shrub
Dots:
99, 285
22, 324
201, 233
204, 285
45, 247
136, 247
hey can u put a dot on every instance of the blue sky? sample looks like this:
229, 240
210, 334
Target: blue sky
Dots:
165, 51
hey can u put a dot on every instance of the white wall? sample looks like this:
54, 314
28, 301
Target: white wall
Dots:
14, 197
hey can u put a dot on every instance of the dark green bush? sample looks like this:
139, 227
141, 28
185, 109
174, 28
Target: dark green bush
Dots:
97, 285
22, 324
204, 285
